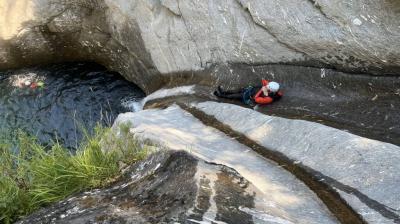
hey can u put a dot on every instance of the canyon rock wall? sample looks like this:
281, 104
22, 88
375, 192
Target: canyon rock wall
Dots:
149, 40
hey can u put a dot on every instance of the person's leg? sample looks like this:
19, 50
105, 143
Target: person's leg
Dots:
236, 96
228, 92
231, 94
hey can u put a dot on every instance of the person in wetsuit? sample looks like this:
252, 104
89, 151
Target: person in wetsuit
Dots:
265, 94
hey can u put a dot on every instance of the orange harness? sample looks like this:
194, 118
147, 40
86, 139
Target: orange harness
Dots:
260, 98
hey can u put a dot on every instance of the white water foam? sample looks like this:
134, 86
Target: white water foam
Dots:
134, 105
20, 80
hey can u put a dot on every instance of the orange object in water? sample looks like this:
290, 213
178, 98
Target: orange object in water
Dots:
34, 85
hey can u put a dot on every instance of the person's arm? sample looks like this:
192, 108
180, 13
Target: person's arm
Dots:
264, 82
259, 99
258, 94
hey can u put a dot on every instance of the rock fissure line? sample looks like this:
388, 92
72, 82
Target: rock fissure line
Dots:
52, 18
319, 8
321, 185
170, 10
257, 23
189, 33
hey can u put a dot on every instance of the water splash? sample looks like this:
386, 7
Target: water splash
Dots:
137, 105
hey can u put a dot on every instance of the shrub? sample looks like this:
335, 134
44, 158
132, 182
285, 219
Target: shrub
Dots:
36, 176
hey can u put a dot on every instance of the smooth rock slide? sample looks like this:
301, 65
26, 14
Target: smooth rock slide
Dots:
363, 171
277, 192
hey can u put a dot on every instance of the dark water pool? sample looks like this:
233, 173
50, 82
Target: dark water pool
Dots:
73, 96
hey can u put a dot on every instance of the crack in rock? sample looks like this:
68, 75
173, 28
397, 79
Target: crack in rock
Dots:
260, 24
190, 34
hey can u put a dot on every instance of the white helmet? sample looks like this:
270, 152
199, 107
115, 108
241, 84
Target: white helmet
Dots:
273, 87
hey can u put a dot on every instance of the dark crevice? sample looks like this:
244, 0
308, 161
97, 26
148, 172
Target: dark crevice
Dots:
311, 64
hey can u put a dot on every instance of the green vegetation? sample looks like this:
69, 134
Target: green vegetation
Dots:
36, 176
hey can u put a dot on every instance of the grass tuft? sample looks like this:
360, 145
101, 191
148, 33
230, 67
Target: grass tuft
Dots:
36, 176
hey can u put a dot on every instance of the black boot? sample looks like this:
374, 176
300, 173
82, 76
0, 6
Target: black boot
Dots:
218, 92
219, 88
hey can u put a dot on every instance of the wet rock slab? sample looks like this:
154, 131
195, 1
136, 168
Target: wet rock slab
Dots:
363, 171
280, 194
168, 187
363, 104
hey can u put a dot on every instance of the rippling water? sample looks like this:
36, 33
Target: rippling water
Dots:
73, 96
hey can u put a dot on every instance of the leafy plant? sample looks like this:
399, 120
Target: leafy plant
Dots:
36, 176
